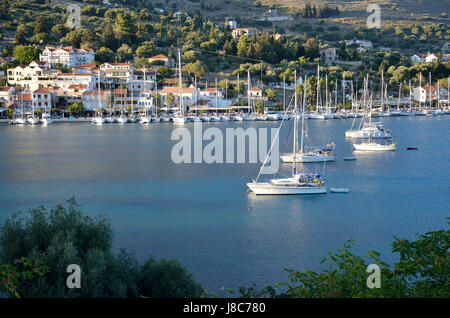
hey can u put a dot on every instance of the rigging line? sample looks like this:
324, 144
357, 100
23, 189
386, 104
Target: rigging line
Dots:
273, 143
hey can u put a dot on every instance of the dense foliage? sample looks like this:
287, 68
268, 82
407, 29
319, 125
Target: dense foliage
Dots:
63, 236
423, 270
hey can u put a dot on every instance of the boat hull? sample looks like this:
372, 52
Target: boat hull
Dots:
179, 120
374, 147
305, 158
262, 188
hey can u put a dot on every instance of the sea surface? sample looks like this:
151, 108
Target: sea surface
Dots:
204, 216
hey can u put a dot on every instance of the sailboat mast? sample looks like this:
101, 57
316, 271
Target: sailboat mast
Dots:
284, 92
382, 90
99, 102
295, 130
429, 89
180, 83
238, 91
343, 91
248, 90
410, 98
318, 88
370, 112
303, 116
420, 90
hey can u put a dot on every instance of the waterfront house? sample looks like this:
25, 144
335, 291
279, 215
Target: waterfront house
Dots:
328, 55
211, 92
44, 97
7, 93
164, 60
65, 80
67, 56
92, 99
31, 77
238, 32
425, 93
115, 73
420, 58
189, 95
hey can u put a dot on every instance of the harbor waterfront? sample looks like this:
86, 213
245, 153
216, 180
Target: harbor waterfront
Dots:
203, 215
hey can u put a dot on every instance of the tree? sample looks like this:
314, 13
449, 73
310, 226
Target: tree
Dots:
40, 25
259, 106
170, 99
104, 54
25, 54
421, 271
108, 38
9, 112
12, 276
125, 25
312, 48
146, 49
167, 279
124, 53
59, 29
198, 68
271, 94
242, 47
20, 37
61, 236
76, 109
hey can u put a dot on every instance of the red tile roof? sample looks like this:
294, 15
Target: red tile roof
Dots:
176, 90
159, 57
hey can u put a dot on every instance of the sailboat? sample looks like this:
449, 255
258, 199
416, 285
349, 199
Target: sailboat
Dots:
20, 120
98, 119
364, 131
179, 118
311, 155
298, 183
372, 145
144, 119
31, 120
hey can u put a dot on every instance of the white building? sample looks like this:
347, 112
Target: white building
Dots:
419, 58
92, 99
30, 77
65, 80
329, 55
189, 95
166, 61
115, 73
238, 32
424, 93
44, 98
255, 92
232, 24
211, 92
7, 94
67, 56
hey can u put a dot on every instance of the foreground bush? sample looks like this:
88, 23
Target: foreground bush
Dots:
64, 236
423, 270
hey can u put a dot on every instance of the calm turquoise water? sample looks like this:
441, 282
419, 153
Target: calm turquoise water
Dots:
204, 216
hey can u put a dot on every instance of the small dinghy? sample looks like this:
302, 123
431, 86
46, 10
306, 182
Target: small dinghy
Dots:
339, 190
411, 148
349, 158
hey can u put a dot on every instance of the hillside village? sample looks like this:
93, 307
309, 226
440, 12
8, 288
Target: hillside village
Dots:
124, 58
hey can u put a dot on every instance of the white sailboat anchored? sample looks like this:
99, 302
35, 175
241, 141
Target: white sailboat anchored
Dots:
98, 119
365, 131
20, 120
372, 145
312, 154
179, 117
298, 183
